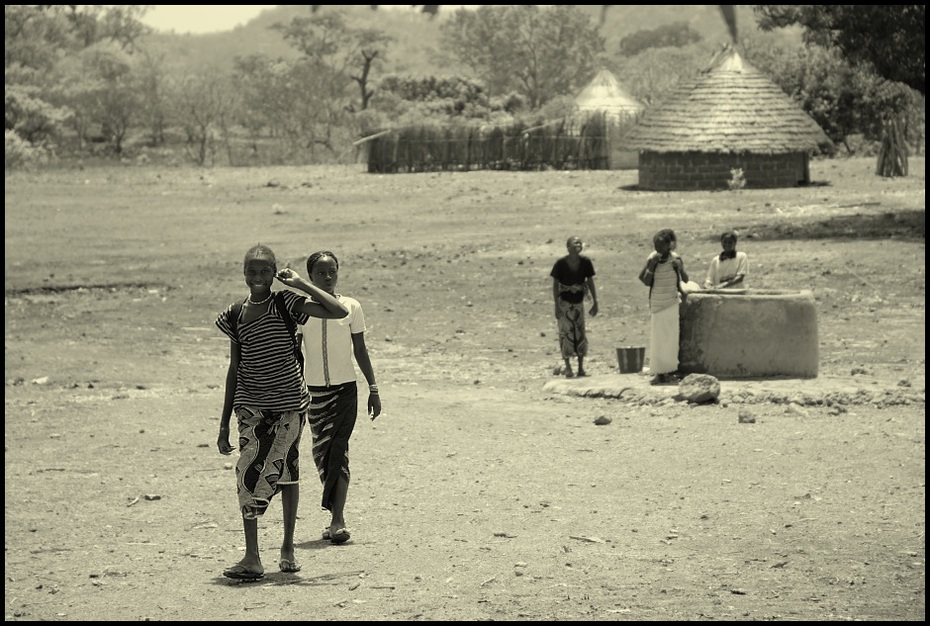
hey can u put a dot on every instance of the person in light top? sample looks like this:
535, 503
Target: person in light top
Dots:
664, 273
329, 347
727, 269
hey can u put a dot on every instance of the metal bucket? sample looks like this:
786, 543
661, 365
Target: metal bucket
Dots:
631, 359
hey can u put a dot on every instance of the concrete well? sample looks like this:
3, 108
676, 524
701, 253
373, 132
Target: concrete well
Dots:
748, 333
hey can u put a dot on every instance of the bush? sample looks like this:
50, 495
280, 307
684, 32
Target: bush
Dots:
20, 154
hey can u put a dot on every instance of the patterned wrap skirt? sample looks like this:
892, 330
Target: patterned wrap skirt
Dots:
268, 456
332, 418
573, 341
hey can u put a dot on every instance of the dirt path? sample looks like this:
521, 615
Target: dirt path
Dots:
485, 491
475, 503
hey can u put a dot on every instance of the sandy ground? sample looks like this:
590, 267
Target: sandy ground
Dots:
486, 491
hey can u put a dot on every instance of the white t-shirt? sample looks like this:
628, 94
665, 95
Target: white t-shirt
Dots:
719, 271
328, 351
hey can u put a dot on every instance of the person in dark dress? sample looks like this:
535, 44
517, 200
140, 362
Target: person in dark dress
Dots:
572, 281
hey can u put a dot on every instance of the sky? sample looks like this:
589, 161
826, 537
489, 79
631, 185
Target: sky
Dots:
210, 18
201, 18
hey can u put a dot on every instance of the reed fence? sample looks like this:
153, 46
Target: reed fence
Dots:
564, 144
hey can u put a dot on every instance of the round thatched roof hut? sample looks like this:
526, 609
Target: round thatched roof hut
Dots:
730, 117
605, 93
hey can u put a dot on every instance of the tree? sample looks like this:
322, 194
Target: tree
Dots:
40, 38
202, 103
889, 37
843, 99
344, 54
538, 52
655, 73
419, 97
676, 34
153, 109
30, 117
371, 45
117, 101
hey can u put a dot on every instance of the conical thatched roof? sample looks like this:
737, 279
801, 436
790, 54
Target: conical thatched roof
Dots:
730, 108
604, 93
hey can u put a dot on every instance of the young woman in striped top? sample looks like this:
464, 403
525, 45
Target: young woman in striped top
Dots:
265, 388
664, 274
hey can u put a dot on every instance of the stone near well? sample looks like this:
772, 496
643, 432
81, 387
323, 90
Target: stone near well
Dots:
749, 333
699, 388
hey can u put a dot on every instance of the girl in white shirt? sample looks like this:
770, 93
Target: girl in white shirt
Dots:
727, 269
329, 347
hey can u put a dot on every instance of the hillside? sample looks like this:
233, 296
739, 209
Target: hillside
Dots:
417, 46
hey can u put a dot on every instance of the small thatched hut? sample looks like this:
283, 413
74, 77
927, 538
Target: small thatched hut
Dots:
730, 117
604, 95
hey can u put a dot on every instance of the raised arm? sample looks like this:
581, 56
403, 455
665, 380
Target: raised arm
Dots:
325, 305
646, 274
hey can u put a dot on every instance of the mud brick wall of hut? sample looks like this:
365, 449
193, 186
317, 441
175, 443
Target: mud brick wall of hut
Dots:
668, 171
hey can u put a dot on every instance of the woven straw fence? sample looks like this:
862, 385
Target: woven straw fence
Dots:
560, 145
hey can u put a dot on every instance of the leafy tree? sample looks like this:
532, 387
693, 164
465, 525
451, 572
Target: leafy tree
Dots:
889, 37
344, 54
202, 104
31, 117
287, 97
153, 109
844, 99
655, 73
447, 96
117, 100
35, 35
538, 52
371, 45
676, 34
37, 39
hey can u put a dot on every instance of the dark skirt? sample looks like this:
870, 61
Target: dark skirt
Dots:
332, 419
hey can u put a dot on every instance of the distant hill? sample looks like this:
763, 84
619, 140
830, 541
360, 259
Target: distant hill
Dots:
417, 48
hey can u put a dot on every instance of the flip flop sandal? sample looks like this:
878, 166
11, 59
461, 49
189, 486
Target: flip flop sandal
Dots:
340, 536
239, 572
326, 535
288, 566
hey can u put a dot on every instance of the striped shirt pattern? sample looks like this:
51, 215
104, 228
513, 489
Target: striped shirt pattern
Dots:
269, 376
664, 291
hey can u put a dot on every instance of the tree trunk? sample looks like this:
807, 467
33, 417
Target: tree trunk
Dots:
892, 157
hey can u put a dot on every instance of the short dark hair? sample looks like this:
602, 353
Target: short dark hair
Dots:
666, 234
316, 256
260, 251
